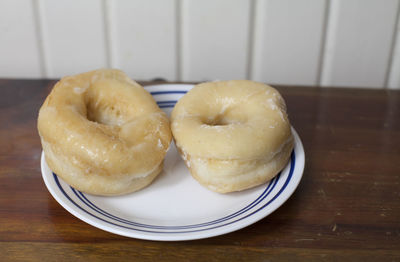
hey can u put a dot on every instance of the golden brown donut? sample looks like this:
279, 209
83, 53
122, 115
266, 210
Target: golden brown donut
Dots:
233, 135
103, 133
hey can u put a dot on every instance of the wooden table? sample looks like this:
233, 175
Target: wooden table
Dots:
347, 206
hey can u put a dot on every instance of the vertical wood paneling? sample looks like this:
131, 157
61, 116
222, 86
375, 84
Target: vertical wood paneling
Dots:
273, 41
143, 36
394, 71
215, 39
73, 32
288, 36
358, 42
19, 48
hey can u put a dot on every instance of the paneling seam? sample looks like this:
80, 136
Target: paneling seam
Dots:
323, 42
107, 37
393, 45
329, 43
37, 14
179, 40
251, 40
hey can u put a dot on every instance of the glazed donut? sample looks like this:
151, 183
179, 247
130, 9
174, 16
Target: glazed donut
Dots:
103, 133
232, 135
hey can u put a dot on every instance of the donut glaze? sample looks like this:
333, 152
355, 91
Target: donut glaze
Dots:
103, 133
233, 135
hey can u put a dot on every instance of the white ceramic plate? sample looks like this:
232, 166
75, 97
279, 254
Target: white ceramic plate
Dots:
175, 206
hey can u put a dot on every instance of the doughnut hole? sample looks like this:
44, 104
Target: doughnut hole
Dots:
226, 116
107, 105
106, 114
218, 120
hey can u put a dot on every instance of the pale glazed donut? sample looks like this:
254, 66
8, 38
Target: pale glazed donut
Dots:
233, 135
103, 133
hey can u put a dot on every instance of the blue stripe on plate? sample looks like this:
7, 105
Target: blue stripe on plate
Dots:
166, 102
166, 106
92, 206
293, 161
168, 92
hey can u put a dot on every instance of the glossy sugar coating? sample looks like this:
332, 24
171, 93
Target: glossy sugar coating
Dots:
232, 135
103, 133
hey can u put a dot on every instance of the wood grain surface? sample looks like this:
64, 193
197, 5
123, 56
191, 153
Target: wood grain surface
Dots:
346, 207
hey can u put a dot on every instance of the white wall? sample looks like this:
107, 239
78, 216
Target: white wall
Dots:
353, 43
